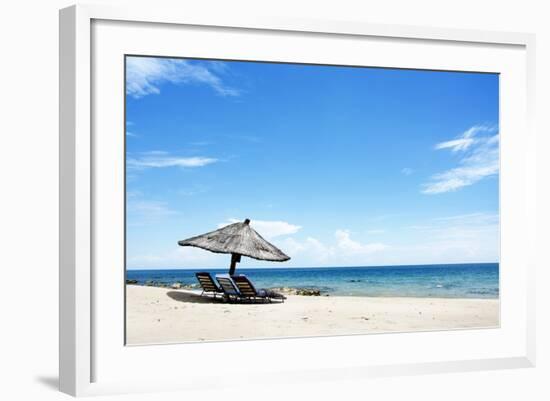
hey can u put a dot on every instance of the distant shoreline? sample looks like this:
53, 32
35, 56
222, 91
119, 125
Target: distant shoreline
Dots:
431, 281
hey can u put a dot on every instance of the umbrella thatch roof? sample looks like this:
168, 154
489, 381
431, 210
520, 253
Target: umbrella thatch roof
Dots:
237, 238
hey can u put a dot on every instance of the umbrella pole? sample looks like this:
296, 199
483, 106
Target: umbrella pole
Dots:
235, 258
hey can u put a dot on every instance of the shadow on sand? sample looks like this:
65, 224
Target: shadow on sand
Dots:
197, 299
193, 298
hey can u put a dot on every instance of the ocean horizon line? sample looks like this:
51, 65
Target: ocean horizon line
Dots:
315, 267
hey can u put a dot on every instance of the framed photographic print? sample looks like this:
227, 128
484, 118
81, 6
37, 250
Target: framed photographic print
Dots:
377, 207
272, 189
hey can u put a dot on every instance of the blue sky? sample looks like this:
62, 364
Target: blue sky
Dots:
338, 166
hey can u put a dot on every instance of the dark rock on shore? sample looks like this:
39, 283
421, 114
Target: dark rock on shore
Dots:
131, 281
298, 291
308, 292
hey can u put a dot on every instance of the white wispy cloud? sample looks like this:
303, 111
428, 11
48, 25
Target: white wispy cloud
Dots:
346, 244
193, 190
201, 143
160, 159
472, 237
178, 256
308, 251
344, 250
480, 160
144, 75
476, 218
133, 193
407, 171
268, 229
466, 139
463, 223
143, 211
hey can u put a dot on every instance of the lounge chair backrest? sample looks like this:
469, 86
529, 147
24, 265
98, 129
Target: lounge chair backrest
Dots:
227, 285
245, 286
207, 282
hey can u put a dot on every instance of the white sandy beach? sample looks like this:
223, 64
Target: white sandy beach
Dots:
162, 315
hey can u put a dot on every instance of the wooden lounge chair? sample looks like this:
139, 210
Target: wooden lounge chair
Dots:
208, 284
229, 288
248, 291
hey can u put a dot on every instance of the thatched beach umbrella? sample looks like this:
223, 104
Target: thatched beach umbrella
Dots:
237, 239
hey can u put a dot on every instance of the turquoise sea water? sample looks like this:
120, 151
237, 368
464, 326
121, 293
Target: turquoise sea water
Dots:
473, 280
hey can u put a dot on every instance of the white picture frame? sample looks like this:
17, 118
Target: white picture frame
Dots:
85, 340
